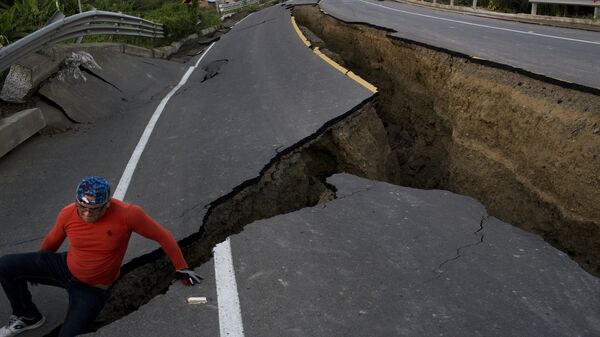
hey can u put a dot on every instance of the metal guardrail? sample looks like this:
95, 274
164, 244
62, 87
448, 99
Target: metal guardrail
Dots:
569, 2
93, 22
234, 6
534, 3
591, 3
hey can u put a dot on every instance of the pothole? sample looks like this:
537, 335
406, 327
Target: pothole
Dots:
213, 68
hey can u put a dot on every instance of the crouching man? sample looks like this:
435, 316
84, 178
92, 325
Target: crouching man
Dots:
98, 229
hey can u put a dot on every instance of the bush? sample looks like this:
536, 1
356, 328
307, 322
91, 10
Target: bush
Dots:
177, 20
21, 17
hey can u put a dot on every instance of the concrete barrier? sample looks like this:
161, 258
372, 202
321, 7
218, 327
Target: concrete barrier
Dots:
26, 75
17, 128
208, 30
59, 52
137, 51
166, 51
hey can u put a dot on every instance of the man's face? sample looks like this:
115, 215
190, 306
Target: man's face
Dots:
89, 213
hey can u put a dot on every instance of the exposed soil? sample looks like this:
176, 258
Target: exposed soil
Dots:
526, 148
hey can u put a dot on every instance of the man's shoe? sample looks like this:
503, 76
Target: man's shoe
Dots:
16, 325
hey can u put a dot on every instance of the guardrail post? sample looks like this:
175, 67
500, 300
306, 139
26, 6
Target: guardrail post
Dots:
474, 4
595, 12
533, 8
451, 3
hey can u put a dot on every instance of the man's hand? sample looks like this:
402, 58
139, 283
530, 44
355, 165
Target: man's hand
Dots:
188, 277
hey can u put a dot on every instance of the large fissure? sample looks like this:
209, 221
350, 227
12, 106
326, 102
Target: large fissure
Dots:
294, 179
524, 145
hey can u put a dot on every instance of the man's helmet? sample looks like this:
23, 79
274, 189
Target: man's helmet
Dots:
93, 191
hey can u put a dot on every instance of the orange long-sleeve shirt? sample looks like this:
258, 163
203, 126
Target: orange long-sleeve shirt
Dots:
97, 249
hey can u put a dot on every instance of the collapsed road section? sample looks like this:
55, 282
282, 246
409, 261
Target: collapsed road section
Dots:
528, 147
266, 95
385, 260
417, 134
470, 139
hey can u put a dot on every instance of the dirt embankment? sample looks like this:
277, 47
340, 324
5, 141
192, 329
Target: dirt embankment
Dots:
526, 148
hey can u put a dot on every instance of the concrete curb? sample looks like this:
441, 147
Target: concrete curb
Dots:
589, 24
17, 128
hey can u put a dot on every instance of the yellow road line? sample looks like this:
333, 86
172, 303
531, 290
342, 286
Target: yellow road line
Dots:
330, 61
360, 80
334, 64
299, 32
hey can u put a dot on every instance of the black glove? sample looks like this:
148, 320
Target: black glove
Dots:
188, 277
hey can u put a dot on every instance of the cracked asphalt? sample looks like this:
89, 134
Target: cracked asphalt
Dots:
385, 260
380, 260
214, 135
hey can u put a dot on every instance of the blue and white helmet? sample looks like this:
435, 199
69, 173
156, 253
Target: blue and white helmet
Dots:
93, 190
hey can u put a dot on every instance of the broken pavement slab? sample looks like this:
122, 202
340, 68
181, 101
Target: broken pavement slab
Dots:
84, 101
56, 121
33, 69
107, 91
17, 128
383, 260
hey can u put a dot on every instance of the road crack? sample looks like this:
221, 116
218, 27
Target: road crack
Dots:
439, 270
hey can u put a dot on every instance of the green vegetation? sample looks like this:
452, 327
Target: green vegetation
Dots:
21, 17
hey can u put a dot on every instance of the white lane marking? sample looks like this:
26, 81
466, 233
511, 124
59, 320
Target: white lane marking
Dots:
230, 317
230, 313
484, 26
228, 300
245, 17
141, 145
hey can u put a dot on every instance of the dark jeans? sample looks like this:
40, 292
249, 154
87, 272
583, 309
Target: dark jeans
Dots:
85, 301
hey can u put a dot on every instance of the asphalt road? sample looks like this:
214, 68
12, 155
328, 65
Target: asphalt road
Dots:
565, 54
380, 260
385, 260
257, 91
39, 177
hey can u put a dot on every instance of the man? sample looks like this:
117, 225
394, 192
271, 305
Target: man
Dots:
98, 229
